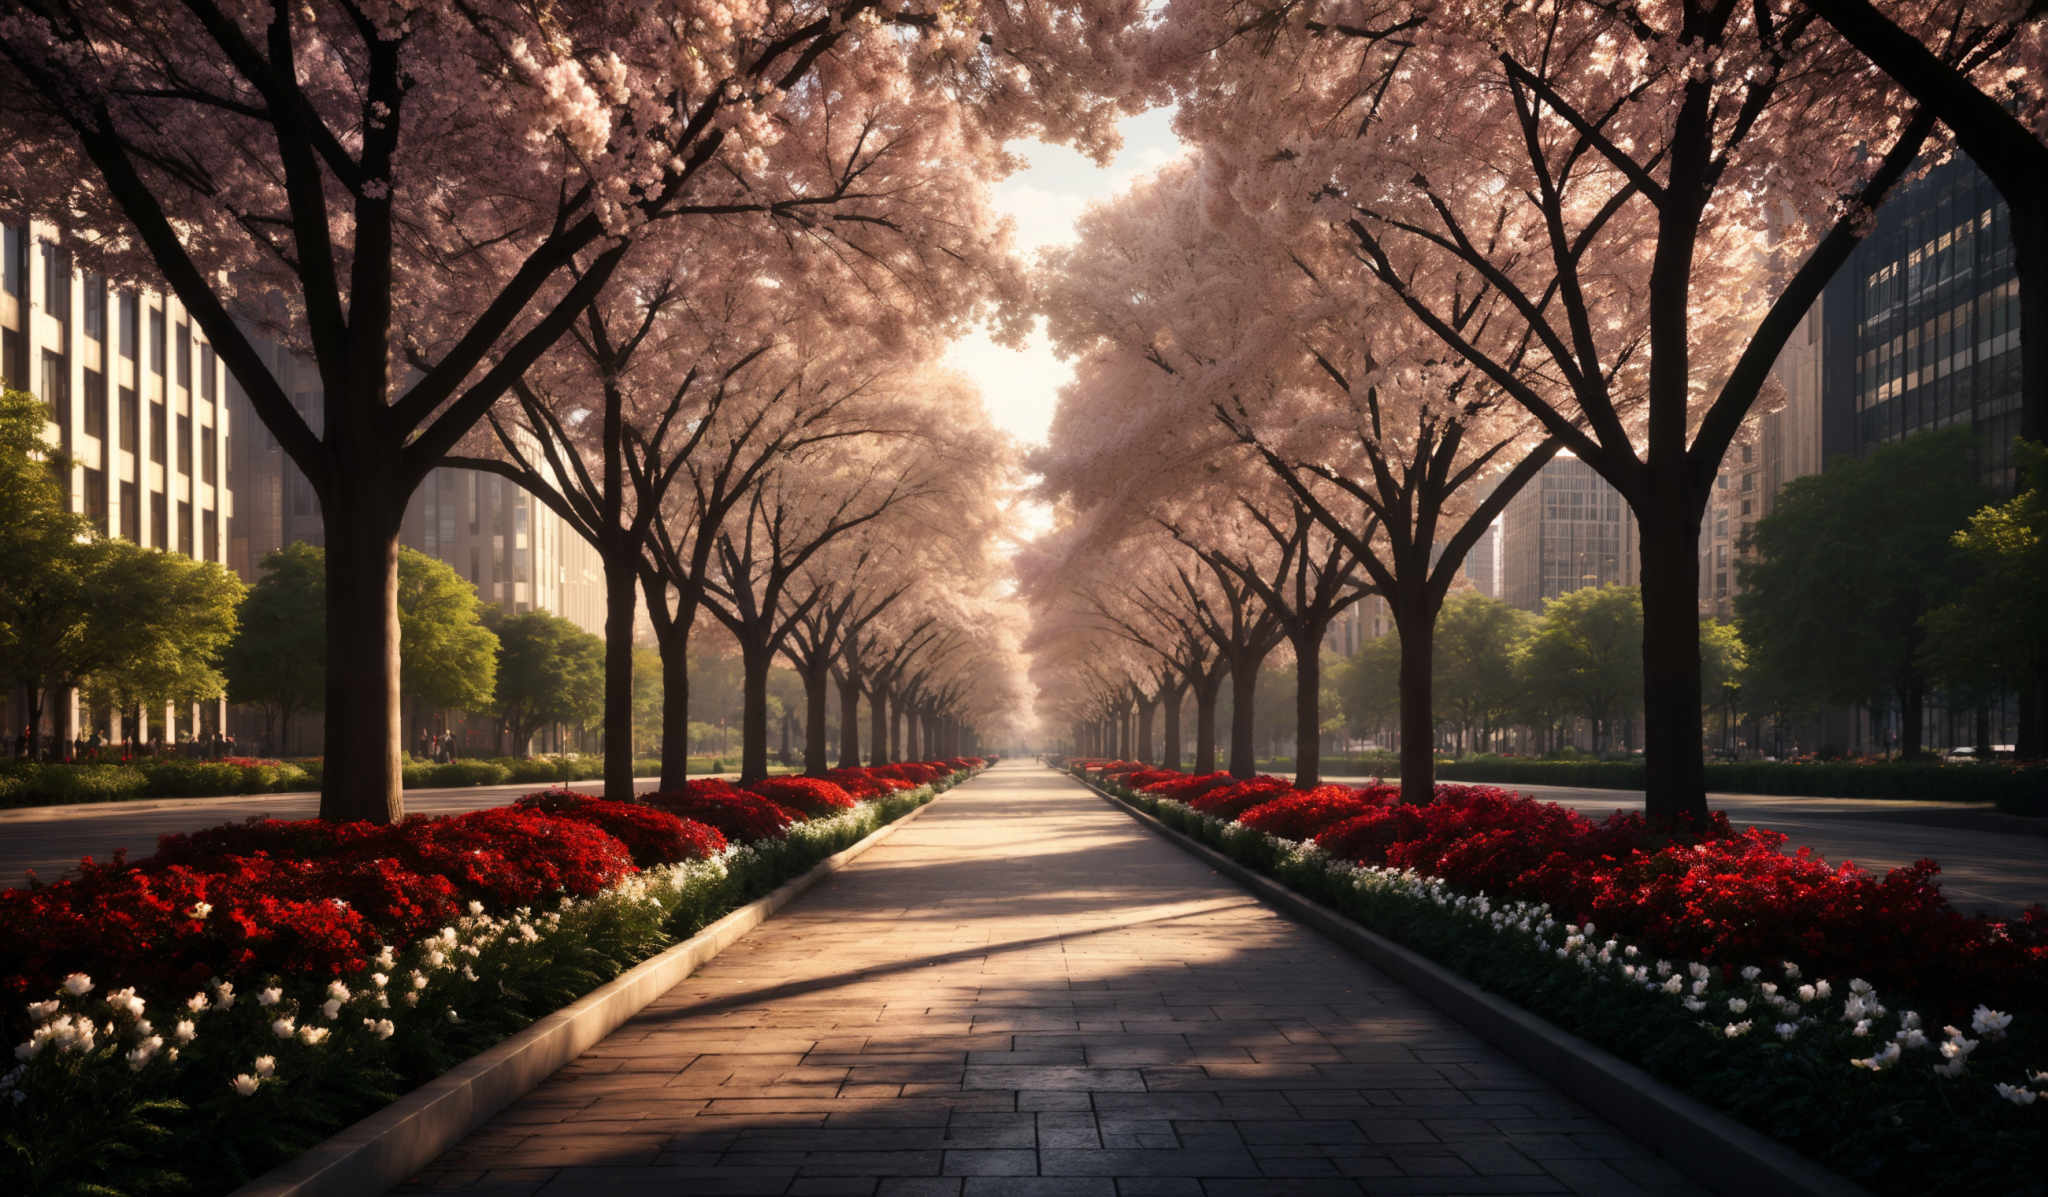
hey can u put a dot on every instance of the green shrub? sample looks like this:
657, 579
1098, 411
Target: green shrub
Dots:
2017, 789
33, 784
467, 773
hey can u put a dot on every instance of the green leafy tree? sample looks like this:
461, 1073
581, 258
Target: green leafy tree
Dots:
1842, 575
1724, 663
41, 565
161, 622
278, 658
647, 695
448, 657
1586, 656
549, 671
1477, 639
1992, 634
1368, 684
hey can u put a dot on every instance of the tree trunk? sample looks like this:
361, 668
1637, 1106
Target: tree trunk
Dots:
878, 724
1205, 722
1912, 716
621, 598
755, 661
849, 722
816, 755
1308, 716
1145, 706
1415, 619
675, 708
1674, 765
896, 732
913, 724
1169, 731
361, 777
1244, 685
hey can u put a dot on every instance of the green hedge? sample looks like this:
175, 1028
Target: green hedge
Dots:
2017, 789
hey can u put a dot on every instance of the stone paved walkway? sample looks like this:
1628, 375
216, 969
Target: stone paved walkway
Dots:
1025, 993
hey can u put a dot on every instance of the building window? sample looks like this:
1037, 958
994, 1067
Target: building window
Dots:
95, 307
131, 416
157, 341
209, 457
206, 372
57, 387
211, 536
14, 358
159, 435
131, 511
130, 322
14, 260
96, 500
96, 404
56, 282
184, 339
184, 529
185, 445
159, 524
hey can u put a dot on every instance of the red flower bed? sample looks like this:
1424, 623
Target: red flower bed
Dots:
864, 783
1138, 779
1231, 800
739, 815
1187, 788
1301, 814
813, 796
652, 836
1719, 895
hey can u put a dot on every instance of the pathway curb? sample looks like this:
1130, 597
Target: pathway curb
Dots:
1714, 1149
392, 1144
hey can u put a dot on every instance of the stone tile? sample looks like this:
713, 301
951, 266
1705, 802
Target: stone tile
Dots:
1024, 993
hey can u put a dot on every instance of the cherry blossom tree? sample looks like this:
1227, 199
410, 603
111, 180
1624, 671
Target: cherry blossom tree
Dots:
424, 197
1652, 196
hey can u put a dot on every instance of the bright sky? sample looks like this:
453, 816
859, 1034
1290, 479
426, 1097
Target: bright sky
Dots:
1020, 388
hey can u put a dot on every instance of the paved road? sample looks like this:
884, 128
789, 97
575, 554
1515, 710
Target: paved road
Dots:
1990, 861
1024, 993
52, 839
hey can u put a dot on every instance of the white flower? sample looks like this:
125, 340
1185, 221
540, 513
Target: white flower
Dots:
2015, 1094
197, 1003
184, 1032
1912, 1037
419, 979
312, 1036
385, 959
382, 1028
337, 991
144, 1052
1882, 1060
1989, 1023
1861, 1028
284, 1028
330, 1009
201, 909
1737, 1006
1694, 1005
1822, 988
1698, 970
44, 1011
1791, 971
124, 1001
269, 997
436, 958
379, 980
1807, 993
476, 907
244, 1084
1736, 1030
224, 995
468, 973
77, 985
1958, 1048
1786, 1030
412, 997
1859, 986
1674, 985
1751, 972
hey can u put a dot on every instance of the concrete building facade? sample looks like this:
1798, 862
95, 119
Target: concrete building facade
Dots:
136, 400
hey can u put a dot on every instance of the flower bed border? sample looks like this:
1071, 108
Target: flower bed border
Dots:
394, 1143
1714, 1148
